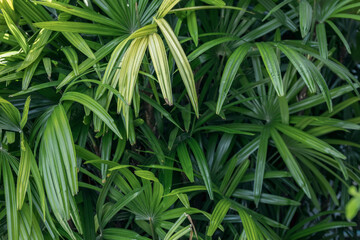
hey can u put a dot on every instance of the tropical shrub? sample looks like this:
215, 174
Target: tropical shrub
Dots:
169, 119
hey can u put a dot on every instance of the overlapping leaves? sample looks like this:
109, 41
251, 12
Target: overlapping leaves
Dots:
257, 156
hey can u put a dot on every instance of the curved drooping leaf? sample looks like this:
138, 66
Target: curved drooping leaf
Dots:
202, 164
58, 164
217, 216
160, 62
260, 164
290, 161
77, 27
10, 117
36, 48
77, 41
181, 62
15, 31
272, 66
23, 176
230, 71
93, 106
306, 15
12, 215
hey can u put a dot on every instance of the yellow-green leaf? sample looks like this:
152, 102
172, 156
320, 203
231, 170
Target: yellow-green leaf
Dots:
181, 62
160, 62
77, 41
36, 48
20, 38
217, 216
23, 175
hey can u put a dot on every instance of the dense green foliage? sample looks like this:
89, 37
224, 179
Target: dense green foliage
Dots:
169, 119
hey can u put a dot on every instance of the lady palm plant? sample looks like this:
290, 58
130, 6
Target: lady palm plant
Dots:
178, 119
